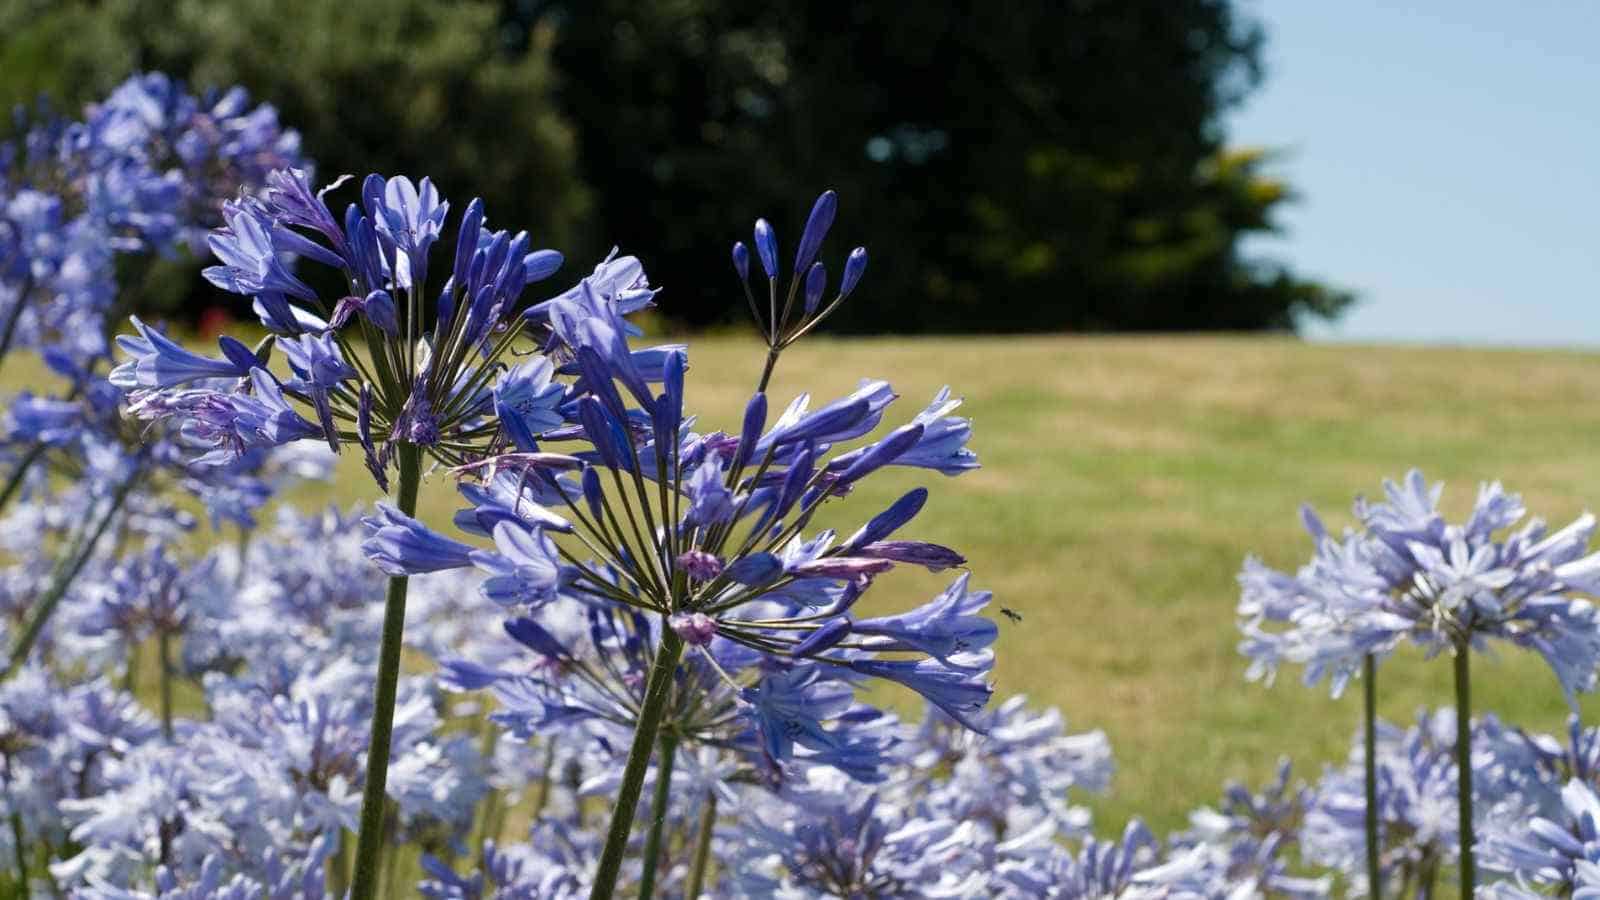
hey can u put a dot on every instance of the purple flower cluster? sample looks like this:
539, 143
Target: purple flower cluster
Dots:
631, 609
1406, 575
145, 171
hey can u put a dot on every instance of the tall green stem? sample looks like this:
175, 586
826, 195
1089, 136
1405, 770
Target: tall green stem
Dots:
369, 844
164, 640
1369, 678
1464, 763
658, 813
10, 332
702, 848
541, 797
644, 739
338, 868
66, 571
766, 371
20, 473
18, 841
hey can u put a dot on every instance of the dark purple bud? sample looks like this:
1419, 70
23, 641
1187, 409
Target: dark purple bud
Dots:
238, 354
699, 565
932, 557
372, 194
467, 243
816, 283
887, 522
854, 268
597, 378
849, 567
597, 427
755, 420
741, 260
830, 420
541, 264
796, 479
665, 431
668, 409
263, 350
380, 311
881, 454
695, 628
592, 495
817, 225
767, 247
513, 276
827, 635
533, 636
756, 569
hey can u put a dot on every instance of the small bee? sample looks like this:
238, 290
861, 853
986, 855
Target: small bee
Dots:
1011, 614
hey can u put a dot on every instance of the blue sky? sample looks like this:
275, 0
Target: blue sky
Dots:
1449, 160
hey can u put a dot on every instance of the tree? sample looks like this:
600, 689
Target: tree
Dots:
1038, 165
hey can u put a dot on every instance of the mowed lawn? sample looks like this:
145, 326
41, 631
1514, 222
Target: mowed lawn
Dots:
1125, 479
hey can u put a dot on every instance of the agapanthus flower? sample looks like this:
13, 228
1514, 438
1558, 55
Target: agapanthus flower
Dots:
1023, 770
1408, 575
1417, 794
1550, 855
394, 361
819, 838
1249, 835
144, 171
708, 529
701, 535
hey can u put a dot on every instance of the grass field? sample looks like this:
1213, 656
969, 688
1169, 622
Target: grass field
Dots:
1124, 481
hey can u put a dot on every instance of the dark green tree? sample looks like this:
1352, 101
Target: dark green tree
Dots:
409, 87
1028, 165
1034, 165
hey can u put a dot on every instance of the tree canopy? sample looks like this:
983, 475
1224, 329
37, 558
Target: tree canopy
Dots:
1042, 165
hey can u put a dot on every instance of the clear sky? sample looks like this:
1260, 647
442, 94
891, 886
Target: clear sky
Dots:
1448, 154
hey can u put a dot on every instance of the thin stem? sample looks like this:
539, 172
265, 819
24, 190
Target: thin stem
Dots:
541, 797
491, 808
164, 642
1369, 678
644, 739
702, 848
658, 813
130, 677
1427, 878
18, 846
1464, 763
369, 845
766, 372
339, 866
16, 316
20, 473
65, 573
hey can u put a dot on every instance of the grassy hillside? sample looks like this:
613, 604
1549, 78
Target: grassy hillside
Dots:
1124, 481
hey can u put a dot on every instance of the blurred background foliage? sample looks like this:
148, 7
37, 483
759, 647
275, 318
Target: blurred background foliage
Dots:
1052, 166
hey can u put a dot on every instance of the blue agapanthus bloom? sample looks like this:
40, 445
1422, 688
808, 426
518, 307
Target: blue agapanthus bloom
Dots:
1417, 800
1249, 836
1544, 856
394, 361
145, 171
1408, 575
582, 669
708, 531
